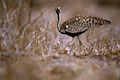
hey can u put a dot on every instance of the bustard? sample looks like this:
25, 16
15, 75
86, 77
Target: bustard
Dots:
78, 24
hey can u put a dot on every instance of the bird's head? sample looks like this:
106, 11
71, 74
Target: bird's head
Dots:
57, 10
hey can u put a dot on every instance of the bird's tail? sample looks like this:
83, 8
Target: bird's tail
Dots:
106, 21
99, 21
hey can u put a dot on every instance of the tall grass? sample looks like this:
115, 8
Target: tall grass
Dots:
22, 35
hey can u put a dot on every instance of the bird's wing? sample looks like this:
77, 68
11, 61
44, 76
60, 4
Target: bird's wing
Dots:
76, 28
75, 25
81, 23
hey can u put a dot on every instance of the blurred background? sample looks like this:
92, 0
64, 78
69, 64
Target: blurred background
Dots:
31, 47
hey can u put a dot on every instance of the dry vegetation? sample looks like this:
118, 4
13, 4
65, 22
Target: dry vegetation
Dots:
31, 48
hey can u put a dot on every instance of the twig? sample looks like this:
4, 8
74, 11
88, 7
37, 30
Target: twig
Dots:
13, 13
30, 43
30, 11
11, 16
7, 16
8, 21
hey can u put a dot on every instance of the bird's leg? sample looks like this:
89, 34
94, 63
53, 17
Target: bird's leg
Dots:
80, 43
78, 47
73, 46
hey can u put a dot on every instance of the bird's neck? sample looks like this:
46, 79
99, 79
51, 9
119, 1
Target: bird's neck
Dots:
58, 23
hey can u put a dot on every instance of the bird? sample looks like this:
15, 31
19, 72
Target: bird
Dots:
78, 25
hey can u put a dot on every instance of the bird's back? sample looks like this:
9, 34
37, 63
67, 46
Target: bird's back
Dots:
82, 23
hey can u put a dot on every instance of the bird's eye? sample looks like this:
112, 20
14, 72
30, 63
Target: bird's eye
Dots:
66, 26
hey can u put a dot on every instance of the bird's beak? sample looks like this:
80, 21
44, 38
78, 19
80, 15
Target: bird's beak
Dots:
57, 8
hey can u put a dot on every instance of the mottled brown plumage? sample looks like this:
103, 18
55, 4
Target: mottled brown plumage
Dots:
82, 23
79, 24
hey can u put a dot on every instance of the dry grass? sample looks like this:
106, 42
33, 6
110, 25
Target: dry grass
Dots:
32, 47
